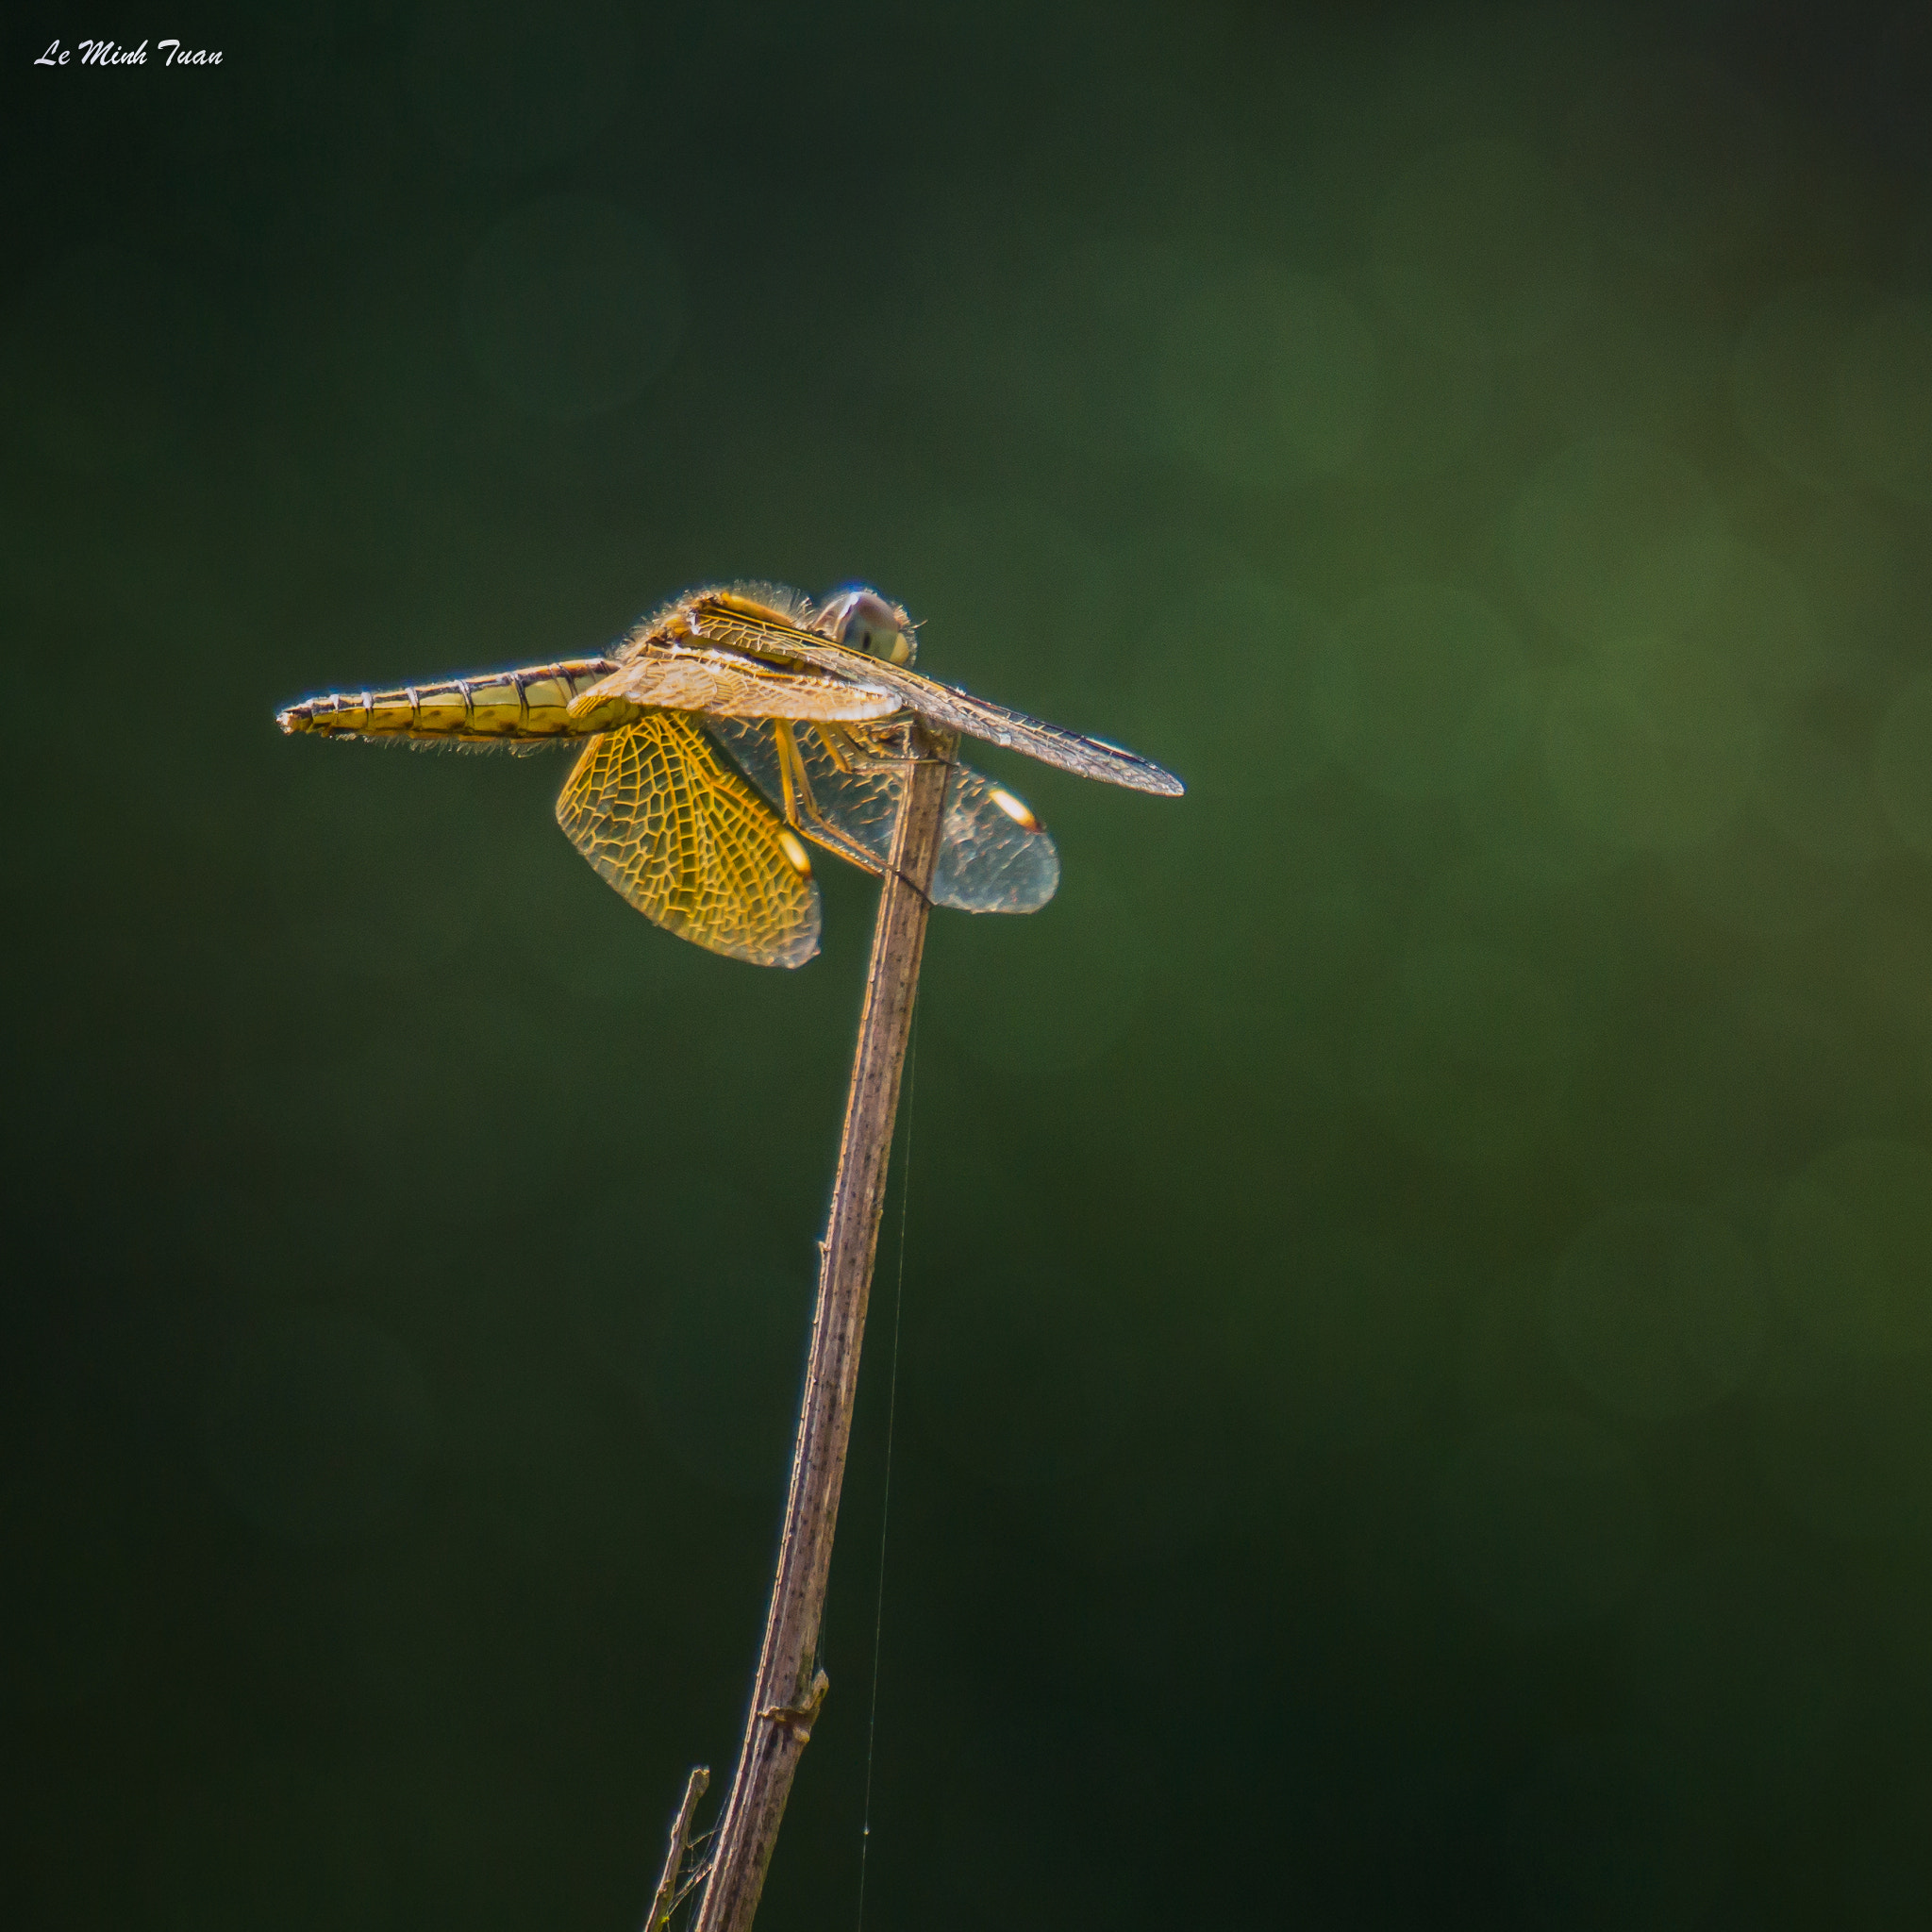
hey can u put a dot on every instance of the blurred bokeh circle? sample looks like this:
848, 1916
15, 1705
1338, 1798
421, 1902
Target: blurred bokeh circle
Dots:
1228, 676
1854, 1252
1267, 377
1412, 684
1657, 1309
1885, 399
1617, 536
1466, 1053
1546, 1519
1902, 762
1653, 747
1787, 375
1480, 246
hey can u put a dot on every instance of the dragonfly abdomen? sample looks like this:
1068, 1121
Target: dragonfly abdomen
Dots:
495, 706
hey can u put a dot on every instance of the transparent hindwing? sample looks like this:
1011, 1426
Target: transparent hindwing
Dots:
994, 855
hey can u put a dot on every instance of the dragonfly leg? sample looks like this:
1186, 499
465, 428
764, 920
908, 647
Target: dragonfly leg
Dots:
789, 763
801, 808
839, 747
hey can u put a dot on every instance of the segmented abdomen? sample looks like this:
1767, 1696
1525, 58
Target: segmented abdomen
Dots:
497, 705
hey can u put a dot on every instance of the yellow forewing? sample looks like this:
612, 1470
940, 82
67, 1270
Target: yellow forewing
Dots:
667, 822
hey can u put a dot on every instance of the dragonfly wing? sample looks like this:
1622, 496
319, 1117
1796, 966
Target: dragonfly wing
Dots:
674, 828
862, 804
1091, 757
727, 618
994, 855
731, 622
683, 678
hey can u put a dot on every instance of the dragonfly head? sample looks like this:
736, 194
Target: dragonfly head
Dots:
865, 622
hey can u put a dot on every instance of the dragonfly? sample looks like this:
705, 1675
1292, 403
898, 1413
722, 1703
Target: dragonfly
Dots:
732, 726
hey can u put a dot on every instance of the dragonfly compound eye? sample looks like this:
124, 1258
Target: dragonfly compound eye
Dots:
864, 621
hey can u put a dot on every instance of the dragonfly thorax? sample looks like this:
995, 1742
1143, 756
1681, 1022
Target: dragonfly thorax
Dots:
866, 622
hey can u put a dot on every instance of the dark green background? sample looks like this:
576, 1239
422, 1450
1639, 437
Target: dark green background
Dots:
1414, 1398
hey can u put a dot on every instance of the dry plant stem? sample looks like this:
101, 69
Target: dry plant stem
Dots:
664, 1901
786, 1699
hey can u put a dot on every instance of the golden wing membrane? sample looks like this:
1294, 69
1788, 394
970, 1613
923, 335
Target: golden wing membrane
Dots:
674, 828
726, 684
737, 622
845, 793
